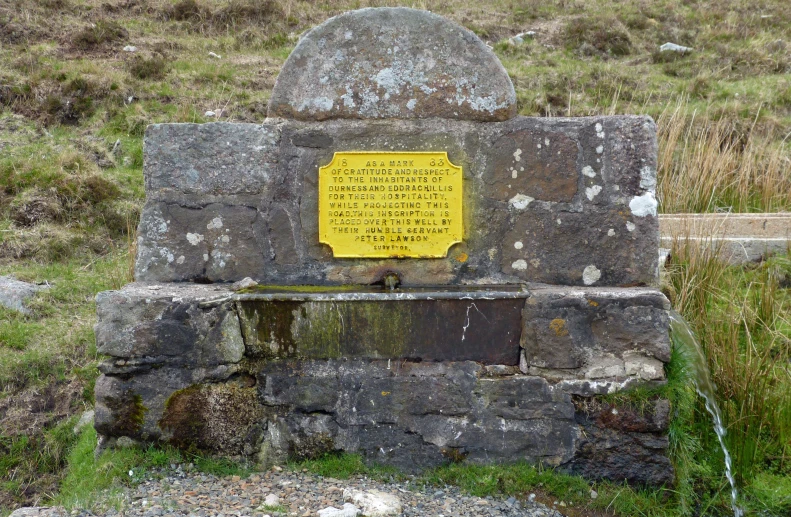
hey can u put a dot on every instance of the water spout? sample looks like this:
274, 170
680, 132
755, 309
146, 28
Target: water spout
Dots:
705, 388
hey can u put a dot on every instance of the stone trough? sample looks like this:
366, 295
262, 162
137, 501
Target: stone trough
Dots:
434, 279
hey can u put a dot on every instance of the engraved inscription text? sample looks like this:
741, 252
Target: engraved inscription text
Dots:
386, 204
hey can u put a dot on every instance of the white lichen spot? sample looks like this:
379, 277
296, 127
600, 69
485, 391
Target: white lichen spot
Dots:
592, 192
590, 275
386, 79
518, 245
630, 226
488, 103
616, 187
520, 201
348, 98
599, 130
194, 238
519, 265
180, 260
557, 221
588, 171
518, 155
644, 205
162, 227
611, 232
316, 104
538, 146
348, 35
600, 149
514, 173
648, 179
546, 141
214, 224
205, 257
166, 254
225, 239
411, 104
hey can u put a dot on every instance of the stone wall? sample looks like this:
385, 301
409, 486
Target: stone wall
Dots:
208, 366
560, 201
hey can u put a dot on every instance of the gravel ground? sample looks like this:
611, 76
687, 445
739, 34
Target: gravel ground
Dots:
178, 493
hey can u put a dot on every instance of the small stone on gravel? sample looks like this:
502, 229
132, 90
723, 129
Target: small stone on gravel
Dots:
374, 503
348, 510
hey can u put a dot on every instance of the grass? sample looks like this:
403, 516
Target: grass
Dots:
741, 317
74, 106
712, 166
96, 483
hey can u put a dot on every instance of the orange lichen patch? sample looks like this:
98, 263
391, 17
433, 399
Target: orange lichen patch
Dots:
462, 257
593, 303
558, 326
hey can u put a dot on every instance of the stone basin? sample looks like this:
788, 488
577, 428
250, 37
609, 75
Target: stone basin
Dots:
453, 323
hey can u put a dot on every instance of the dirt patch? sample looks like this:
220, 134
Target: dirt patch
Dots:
32, 443
30, 411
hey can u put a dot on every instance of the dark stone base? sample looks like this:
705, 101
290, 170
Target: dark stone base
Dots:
187, 371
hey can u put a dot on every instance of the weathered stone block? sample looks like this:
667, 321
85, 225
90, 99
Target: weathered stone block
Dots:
597, 333
535, 164
591, 247
392, 63
225, 418
215, 243
172, 323
597, 223
624, 444
215, 159
416, 415
133, 405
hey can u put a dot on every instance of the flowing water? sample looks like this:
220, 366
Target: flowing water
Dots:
705, 388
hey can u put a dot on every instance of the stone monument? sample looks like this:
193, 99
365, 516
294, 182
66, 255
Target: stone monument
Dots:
394, 264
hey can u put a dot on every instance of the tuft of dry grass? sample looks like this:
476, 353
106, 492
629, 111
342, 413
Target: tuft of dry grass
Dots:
100, 33
598, 35
708, 165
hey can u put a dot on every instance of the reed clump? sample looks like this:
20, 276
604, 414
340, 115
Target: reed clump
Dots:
742, 317
709, 165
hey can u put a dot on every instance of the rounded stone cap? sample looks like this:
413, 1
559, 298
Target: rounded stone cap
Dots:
392, 62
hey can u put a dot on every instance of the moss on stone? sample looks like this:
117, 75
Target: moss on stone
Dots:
266, 328
214, 417
302, 288
128, 414
311, 447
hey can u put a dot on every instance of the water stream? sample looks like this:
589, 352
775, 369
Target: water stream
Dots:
705, 388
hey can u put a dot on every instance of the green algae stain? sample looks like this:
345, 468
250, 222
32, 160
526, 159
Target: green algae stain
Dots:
303, 288
128, 414
266, 328
326, 329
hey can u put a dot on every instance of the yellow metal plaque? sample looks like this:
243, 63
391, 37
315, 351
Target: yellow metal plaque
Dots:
377, 205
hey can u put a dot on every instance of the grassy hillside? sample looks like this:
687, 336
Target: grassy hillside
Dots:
74, 105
